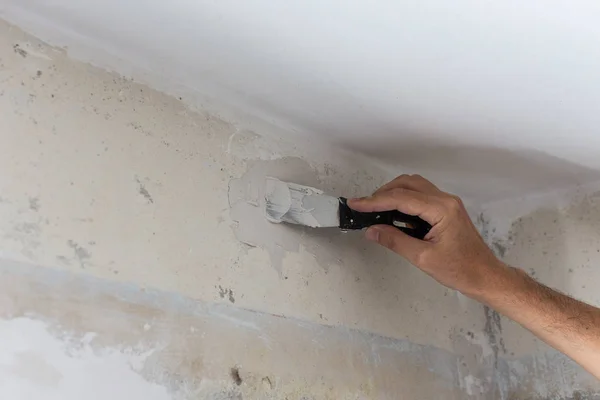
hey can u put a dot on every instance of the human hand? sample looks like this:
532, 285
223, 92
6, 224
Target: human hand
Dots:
453, 252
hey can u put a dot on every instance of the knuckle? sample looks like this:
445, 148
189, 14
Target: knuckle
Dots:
453, 203
399, 180
421, 258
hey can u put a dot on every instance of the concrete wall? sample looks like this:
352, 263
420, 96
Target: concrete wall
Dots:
119, 251
555, 237
125, 273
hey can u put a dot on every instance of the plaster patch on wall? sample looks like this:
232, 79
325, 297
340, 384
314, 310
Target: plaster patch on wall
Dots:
36, 364
247, 205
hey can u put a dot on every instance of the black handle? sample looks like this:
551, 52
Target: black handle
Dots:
409, 224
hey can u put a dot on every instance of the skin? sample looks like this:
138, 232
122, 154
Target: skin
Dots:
455, 254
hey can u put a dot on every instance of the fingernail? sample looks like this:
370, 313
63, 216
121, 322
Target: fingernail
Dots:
372, 234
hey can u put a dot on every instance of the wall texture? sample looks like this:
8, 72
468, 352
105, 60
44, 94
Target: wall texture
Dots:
119, 248
124, 269
555, 237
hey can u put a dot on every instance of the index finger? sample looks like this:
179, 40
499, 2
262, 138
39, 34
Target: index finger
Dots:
404, 200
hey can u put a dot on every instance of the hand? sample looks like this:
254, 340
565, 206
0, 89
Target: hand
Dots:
453, 252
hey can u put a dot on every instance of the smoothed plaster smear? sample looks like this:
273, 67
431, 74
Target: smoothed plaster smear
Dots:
299, 204
247, 209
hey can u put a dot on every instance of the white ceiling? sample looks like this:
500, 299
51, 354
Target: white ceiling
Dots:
495, 98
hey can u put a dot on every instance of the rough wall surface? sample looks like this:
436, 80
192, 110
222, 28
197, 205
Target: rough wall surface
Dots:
106, 178
119, 250
555, 237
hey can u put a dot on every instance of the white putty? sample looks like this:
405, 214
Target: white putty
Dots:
299, 204
37, 365
247, 199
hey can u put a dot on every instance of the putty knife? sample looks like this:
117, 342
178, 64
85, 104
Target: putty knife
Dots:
305, 205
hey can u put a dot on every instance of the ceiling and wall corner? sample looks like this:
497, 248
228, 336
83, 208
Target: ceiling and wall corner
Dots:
492, 99
119, 245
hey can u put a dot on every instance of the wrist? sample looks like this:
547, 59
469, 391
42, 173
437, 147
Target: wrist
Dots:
496, 278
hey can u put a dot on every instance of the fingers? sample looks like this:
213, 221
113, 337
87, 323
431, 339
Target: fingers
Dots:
404, 200
411, 182
399, 242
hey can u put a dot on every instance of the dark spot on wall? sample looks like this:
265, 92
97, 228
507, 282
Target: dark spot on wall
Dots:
499, 248
81, 253
34, 203
143, 191
28, 227
38, 73
234, 372
224, 292
576, 395
19, 50
267, 382
63, 260
493, 332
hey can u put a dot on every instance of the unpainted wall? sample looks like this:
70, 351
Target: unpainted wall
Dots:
119, 250
110, 188
555, 237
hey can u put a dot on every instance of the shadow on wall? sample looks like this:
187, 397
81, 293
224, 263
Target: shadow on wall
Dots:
482, 174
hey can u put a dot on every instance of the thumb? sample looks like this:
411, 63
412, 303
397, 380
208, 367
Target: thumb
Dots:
397, 241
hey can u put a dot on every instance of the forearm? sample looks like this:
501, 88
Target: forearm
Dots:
566, 324
455, 254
